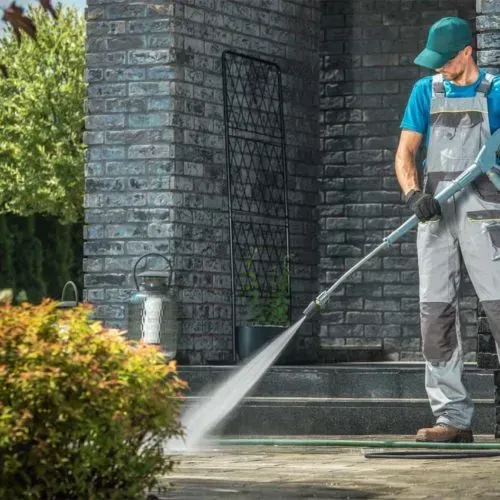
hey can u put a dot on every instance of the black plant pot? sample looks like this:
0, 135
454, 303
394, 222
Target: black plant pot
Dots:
250, 338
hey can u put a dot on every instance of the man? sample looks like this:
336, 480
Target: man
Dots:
455, 111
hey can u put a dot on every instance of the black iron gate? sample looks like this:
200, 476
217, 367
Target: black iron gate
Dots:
256, 176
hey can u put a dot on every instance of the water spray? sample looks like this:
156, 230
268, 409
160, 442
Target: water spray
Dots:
199, 420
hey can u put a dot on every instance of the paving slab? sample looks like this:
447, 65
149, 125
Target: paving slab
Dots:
291, 472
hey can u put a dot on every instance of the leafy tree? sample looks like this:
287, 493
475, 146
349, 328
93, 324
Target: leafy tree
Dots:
7, 274
42, 117
27, 259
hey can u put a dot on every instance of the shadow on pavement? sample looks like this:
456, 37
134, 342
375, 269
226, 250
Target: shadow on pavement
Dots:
188, 489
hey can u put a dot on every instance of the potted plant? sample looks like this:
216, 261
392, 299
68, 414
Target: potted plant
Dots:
268, 313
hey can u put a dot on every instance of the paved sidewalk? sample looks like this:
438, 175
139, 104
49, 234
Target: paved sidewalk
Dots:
265, 472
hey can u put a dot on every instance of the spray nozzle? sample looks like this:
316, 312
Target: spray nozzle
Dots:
315, 305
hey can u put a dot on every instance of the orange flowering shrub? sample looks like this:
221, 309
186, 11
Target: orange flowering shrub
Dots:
83, 411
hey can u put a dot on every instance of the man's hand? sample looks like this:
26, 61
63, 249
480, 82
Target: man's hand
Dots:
424, 206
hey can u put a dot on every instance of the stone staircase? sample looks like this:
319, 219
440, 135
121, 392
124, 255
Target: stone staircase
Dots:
344, 398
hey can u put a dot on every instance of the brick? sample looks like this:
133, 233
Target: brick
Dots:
150, 120
151, 88
142, 57
97, 216
162, 72
363, 210
125, 168
382, 305
103, 248
104, 184
488, 6
104, 122
104, 279
359, 317
488, 22
144, 136
364, 156
401, 290
106, 153
488, 57
130, 105
380, 276
402, 318
125, 231
92, 138
126, 11
97, 28
106, 59
150, 151
380, 60
124, 74
107, 90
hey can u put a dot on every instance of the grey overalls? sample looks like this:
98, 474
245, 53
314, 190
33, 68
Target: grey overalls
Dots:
469, 228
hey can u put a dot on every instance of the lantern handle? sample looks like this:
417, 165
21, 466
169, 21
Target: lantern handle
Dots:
75, 291
156, 255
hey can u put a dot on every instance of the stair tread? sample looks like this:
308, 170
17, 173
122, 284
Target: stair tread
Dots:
354, 366
391, 381
292, 399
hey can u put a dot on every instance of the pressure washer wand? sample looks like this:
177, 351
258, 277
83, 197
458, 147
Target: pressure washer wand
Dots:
487, 162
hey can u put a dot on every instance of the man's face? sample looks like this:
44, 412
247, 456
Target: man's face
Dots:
455, 67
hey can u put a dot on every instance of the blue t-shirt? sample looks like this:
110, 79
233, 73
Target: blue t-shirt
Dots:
418, 109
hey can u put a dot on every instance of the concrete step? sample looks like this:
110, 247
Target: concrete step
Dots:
350, 398
342, 380
337, 416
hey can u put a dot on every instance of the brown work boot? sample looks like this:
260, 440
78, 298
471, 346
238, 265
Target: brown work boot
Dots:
442, 433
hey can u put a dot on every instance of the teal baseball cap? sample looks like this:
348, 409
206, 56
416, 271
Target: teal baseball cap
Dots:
447, 37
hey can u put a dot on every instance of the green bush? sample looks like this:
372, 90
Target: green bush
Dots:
83, 411
271, 306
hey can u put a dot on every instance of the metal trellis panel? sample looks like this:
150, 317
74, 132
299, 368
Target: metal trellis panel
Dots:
256, 173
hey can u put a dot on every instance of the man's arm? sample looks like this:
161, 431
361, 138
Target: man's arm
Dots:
406, 168
424, 206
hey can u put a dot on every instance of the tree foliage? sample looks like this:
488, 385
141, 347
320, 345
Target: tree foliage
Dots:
42, 117
16, 19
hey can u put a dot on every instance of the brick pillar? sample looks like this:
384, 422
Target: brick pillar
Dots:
130, 159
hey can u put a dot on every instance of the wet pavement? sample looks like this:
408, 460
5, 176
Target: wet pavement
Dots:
291, 472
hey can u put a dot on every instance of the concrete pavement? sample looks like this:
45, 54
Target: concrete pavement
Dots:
269, 472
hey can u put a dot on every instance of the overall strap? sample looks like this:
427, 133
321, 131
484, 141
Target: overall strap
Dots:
485, 85
437, 85
483, 88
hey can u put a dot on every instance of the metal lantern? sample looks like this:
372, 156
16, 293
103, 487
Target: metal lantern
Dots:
152, 309
67, 304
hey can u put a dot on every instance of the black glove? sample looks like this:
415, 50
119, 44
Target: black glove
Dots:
424, 206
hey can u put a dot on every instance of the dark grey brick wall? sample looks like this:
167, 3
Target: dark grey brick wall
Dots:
156, 166
286, 32
366, 52
488, 35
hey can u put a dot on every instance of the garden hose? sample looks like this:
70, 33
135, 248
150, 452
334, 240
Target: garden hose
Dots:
432, 454
466, 450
